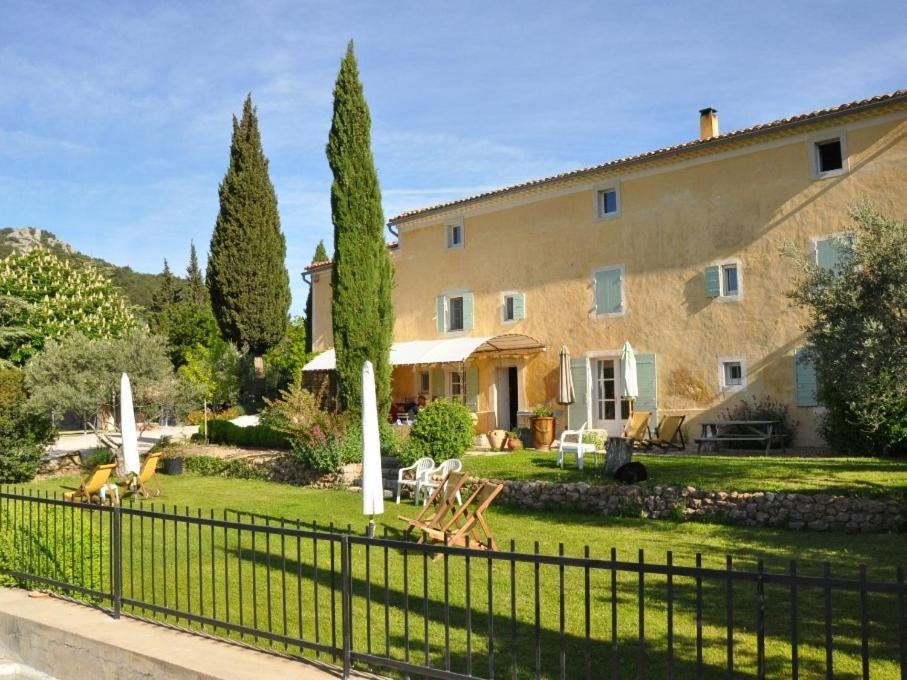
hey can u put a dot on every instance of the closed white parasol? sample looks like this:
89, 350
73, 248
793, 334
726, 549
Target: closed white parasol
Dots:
372, 485
127, 427
628, 370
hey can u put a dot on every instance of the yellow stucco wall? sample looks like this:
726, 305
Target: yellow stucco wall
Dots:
675, 220
322, 335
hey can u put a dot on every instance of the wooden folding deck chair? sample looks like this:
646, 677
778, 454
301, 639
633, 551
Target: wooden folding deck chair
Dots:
668, 431
467, 526
139, 483
91, 487
441, 504
638, 429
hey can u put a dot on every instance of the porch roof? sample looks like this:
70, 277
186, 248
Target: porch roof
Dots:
446, 351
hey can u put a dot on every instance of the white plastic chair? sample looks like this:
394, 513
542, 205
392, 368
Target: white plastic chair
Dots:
419, 468
577, 447
432, 478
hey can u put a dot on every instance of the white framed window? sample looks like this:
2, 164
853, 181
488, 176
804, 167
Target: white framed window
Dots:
455, 385
455, 311
828, 155
831, 251
609, 297
454, 235
424, 382
607, 202
732, 373
731, 280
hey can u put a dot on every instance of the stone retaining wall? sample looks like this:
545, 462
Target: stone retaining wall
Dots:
819, 512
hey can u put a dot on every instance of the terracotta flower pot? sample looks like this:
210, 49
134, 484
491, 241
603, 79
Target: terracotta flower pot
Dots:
514, 444
542, 432
496, 439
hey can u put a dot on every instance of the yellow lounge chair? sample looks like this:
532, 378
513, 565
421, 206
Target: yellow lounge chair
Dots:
138, 483
89, 489
668, 432
638, 429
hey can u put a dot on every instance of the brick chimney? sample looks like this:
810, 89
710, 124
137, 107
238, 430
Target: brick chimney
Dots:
708, 123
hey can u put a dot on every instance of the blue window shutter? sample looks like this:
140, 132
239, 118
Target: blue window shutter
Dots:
712, 282
468, 314
647, 382
440, 310
438, 387
578, 412
805, 376
519, 307
472, 388
608, 297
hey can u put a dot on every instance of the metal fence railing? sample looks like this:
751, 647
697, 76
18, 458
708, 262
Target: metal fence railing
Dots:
447, 612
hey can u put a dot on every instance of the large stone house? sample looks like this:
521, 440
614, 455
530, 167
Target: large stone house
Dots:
678, 250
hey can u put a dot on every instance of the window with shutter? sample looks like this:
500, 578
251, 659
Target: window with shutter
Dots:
609, 294
832, 253
807, 385
513, 307
713, 281
647, 382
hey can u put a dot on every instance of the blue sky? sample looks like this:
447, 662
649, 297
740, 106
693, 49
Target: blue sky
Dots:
115, 116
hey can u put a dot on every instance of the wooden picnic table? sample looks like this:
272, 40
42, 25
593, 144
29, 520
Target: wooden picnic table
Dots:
716, 432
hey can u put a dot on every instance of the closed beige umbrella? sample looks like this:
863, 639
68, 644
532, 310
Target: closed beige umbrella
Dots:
565, 391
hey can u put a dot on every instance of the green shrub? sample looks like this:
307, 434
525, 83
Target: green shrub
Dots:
198, 417
59, 543
764, 408
256, 436
98, 456
23, 434
443, 429
209, 466
329, 450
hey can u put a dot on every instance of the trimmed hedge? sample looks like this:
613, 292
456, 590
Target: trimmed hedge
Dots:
256, 436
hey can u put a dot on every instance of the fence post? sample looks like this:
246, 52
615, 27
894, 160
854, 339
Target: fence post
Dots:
346, 579
117, 560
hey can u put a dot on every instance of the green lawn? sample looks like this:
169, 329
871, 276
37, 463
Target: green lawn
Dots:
280, 582
880, 477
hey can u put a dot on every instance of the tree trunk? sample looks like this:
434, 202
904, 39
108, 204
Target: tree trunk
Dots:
620, 452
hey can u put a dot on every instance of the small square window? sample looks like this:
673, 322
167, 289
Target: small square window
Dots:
729, 281
733, 374
829, 156
424, 382
607, 203
455, 314
454, 235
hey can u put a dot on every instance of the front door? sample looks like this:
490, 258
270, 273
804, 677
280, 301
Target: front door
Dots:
508, 397
609, 411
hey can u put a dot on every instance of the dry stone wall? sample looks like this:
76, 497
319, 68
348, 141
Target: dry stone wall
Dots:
819, 512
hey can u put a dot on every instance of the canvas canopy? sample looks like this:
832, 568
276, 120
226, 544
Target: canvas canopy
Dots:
442, 351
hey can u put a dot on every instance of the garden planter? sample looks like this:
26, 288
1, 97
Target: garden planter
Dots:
172, 466
496, 439
514, 444
542, 432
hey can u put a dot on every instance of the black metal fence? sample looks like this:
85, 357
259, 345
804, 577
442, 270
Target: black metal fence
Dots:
448, 612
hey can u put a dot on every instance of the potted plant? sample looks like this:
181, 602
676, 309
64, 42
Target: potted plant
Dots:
514, 443
497, 438
172, 464
542, 425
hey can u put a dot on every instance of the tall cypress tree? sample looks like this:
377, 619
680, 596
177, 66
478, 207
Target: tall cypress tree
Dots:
247, 274
195, 290
321, 255
363, 315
